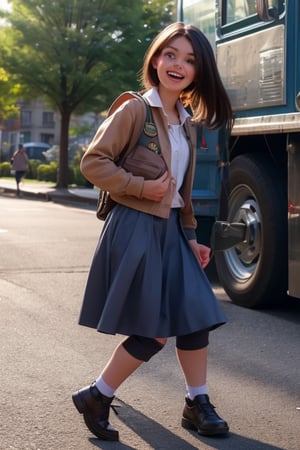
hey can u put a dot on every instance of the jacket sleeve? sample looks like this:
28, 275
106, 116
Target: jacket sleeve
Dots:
114, 135
189, 222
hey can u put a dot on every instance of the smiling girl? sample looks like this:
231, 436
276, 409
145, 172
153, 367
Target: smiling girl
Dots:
146, 281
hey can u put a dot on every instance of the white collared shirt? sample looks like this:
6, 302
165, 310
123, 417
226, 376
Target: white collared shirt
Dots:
179, 145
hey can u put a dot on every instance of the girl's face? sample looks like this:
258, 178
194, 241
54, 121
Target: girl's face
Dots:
175, 65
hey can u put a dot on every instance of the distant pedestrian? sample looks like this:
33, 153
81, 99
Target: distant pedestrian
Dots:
19, 162
146, 280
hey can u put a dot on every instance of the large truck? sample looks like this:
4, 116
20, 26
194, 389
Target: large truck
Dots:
257, 48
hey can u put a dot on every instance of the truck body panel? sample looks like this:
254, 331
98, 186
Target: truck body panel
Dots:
256, 43
252, 68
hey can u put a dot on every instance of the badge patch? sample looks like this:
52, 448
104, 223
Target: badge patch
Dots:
153, 147
150, 129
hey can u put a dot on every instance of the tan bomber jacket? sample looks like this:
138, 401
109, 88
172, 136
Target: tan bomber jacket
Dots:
123, 128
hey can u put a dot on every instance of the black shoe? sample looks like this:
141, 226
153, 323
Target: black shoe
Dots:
95, 409
200, 415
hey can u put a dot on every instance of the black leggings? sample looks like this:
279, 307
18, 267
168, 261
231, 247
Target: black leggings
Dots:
144, 348
193, 341
19, 175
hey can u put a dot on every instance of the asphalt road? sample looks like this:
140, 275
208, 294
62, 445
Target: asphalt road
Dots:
45, 252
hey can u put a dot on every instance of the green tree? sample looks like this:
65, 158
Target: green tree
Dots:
157, 15
9, 93
78, 54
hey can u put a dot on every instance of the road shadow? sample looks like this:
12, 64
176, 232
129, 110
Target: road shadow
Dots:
158, 437
288, 308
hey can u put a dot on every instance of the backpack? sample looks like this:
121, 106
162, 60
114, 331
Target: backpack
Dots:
147, 151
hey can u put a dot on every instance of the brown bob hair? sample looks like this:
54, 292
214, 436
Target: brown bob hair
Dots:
206, 96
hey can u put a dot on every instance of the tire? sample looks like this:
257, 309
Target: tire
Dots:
254, 273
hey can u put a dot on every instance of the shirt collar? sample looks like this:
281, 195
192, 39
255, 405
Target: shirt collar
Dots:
154, 99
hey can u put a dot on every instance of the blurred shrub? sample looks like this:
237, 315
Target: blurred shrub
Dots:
5, 168
37, 170
47, 172
79, 179
32, 169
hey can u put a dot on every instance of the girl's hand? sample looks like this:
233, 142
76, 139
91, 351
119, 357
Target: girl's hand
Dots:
201, 252
156, 189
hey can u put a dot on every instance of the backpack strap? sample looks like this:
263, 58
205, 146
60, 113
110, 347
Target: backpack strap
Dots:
149, 135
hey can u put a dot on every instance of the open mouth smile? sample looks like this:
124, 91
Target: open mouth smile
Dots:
175, 75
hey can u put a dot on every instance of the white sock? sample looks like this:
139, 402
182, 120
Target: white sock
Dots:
193, 391
104, 388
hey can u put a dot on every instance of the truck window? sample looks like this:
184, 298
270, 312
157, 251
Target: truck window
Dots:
237, 10
202, 14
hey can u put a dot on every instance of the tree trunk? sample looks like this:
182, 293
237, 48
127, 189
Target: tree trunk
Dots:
62, 176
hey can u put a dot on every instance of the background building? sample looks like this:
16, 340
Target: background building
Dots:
38, 123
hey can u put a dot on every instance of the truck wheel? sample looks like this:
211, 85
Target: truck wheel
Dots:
254, 273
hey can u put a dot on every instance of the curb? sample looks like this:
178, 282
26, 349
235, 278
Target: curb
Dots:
67, 197
56, 196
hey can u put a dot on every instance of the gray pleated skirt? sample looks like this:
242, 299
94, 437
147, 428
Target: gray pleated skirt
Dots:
145, 280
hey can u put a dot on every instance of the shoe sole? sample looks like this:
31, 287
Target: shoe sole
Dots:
188, 425
107, 435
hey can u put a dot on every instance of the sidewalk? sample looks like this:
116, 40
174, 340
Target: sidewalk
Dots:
46, 192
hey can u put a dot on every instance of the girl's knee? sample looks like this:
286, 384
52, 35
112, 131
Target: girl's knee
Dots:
143, 348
